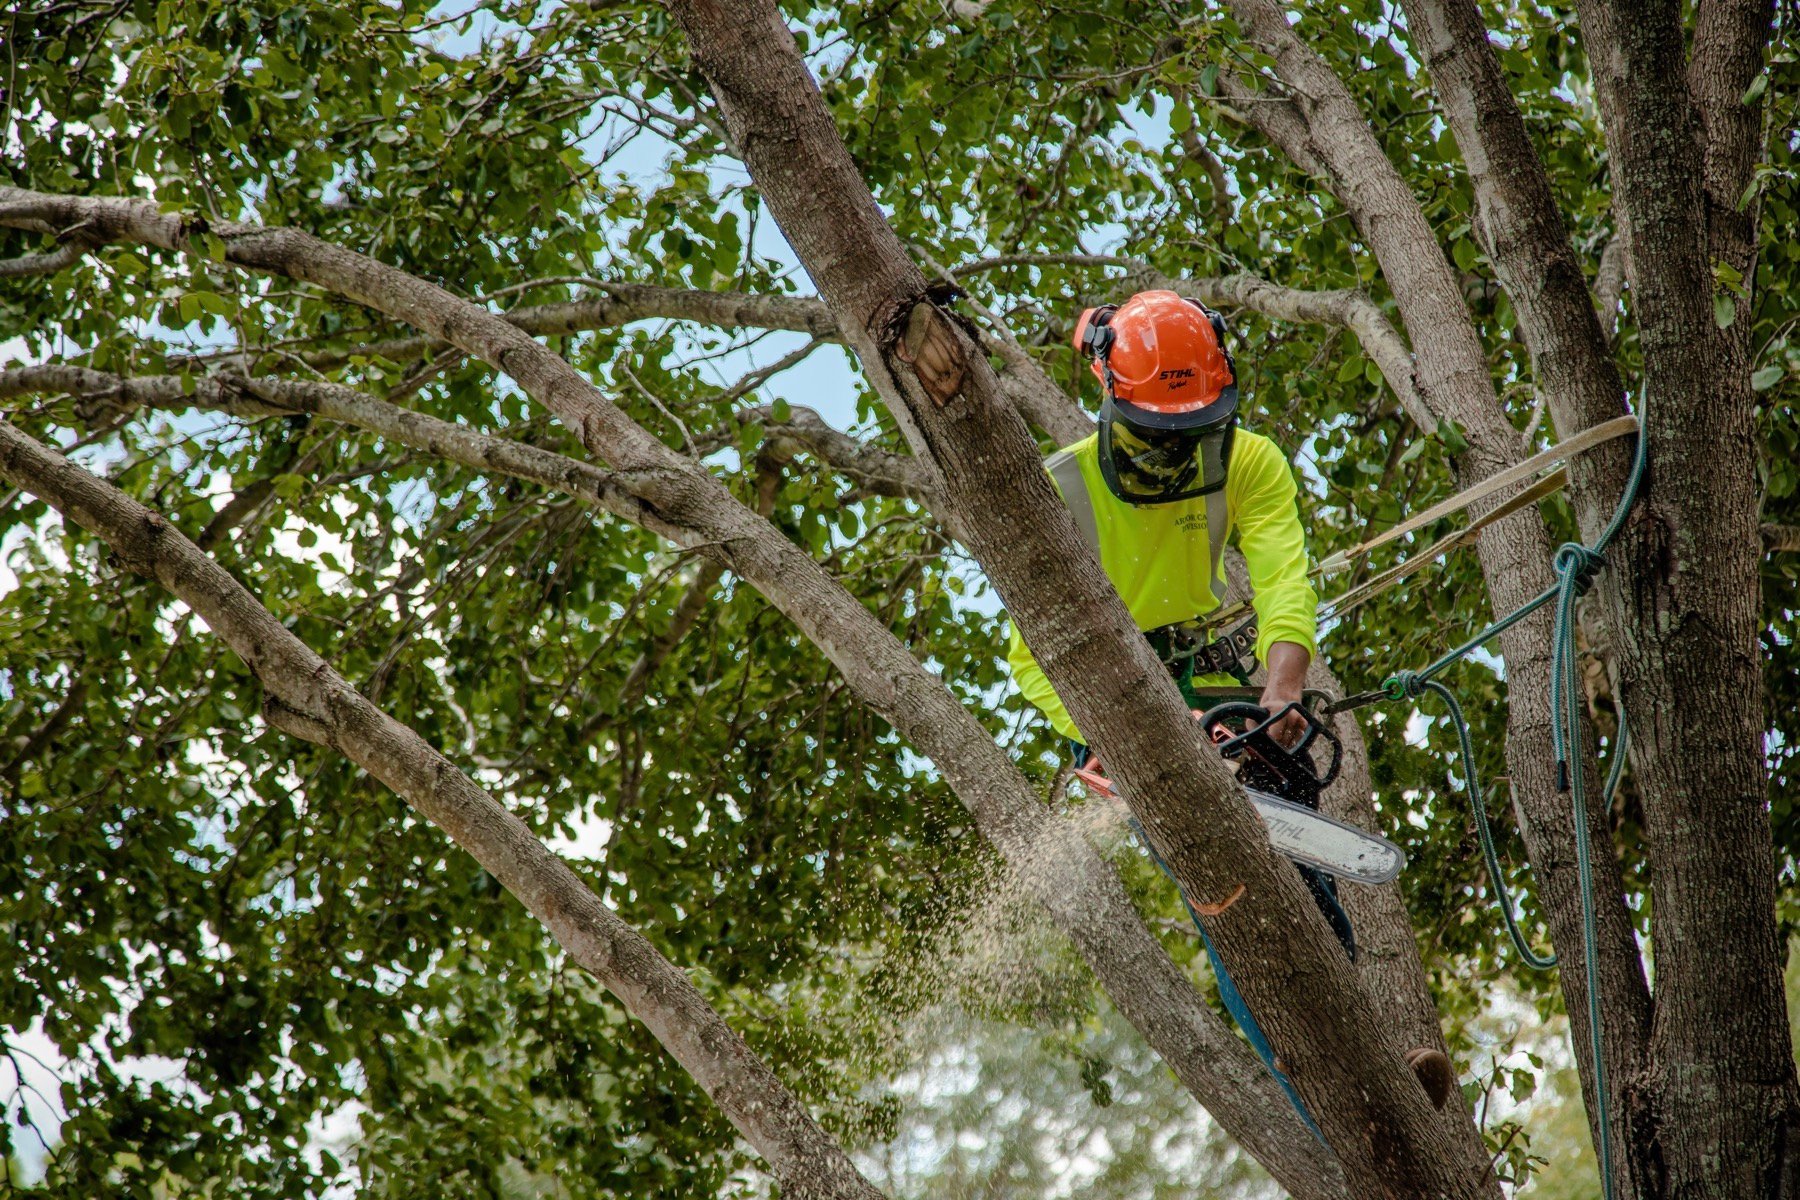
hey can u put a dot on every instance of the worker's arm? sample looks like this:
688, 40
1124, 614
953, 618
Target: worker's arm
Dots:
1274, 546
1035, 686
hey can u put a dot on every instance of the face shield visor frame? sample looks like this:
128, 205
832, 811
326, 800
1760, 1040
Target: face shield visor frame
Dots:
1160, 464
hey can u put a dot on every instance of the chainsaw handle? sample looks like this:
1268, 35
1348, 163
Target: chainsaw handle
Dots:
1256, 737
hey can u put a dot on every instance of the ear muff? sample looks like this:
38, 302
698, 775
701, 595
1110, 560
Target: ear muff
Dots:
1218, 325
1093, 333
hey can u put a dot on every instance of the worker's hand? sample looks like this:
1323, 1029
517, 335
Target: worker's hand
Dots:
1287, 664
1289, 729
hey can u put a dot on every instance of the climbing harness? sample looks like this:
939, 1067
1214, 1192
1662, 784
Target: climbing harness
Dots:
1575, 566
1187, 648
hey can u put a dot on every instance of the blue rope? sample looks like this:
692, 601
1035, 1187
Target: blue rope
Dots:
1575, 566
1416, 685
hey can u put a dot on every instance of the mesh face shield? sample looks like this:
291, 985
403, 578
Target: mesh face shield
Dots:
1160, 466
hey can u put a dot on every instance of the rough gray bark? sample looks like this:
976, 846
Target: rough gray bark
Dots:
1715, 1111
1320, 124
1342, 1060
674, 497
309, 700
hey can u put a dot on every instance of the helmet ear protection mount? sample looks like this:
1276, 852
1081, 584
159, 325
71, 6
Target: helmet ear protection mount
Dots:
1179, 454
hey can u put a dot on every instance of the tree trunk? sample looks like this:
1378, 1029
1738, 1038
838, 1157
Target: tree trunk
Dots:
1345, 1063
1715, 1112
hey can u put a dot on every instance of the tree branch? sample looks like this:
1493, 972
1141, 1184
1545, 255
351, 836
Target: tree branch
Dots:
1523, 233
1193, 144
1349, 308
1781, 539
49, 263
1077, 888
265, 396
309, 700
1320, 127
622, 304
872, 468
1609, 284
693, 602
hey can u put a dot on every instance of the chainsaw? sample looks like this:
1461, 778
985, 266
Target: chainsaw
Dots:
1240, 731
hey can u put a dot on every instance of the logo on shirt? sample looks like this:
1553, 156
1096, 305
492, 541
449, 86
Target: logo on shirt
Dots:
1191, 522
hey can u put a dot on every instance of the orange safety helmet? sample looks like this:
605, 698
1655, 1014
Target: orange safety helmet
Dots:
1161, 358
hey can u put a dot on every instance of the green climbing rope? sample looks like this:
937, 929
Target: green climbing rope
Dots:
1575, 566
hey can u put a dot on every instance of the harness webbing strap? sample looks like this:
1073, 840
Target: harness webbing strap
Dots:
1066, 471
1218, 518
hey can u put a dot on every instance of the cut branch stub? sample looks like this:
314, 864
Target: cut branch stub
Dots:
933, 351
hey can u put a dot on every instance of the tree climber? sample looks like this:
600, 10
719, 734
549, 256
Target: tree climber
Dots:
1155, 492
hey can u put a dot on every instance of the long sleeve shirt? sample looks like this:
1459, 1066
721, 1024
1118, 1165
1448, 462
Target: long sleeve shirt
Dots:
1159, 559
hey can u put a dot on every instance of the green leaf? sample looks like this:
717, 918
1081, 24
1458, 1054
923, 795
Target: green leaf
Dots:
1413, 451
1757, 87
1451, 435
214, 303
781, 412
1724, 310
1768, 377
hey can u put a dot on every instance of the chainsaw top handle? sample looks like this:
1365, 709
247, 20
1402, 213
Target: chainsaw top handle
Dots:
1240, 728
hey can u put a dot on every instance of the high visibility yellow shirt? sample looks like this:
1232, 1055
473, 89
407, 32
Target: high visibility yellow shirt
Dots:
1159, 559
